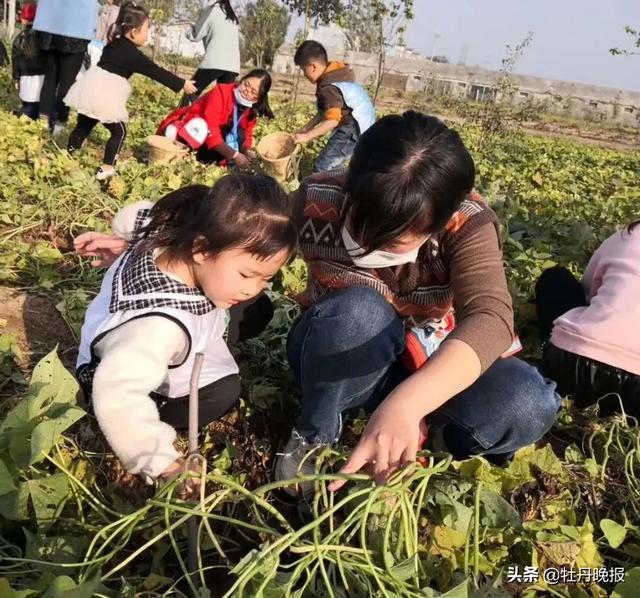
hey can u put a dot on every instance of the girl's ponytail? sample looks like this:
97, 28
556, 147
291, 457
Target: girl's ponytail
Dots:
132, 15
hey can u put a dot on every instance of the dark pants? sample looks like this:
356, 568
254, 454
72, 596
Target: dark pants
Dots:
31, 109
344, 351
84, 127
339, 148
60, 73
247, 320
211, 156
205, 77
587, 380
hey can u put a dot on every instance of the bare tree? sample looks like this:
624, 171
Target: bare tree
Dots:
355, 22
160, 12
264, 27
324, 10
390, 18
635, 34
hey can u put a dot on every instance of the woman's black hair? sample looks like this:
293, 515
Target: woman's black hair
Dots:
132, 15
409, 173
247, 211
261, 107
226, 7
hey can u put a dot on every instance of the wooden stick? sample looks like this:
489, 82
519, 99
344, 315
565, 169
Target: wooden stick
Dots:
193, 451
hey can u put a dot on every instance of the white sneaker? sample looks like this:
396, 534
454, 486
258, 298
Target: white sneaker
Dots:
104, 174
59, 129
298, 458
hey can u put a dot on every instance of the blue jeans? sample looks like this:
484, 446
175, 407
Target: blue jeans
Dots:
344, 354
339, 148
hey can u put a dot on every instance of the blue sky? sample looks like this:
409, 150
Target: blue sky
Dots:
571, 37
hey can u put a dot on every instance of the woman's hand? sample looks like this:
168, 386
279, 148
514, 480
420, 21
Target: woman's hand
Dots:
241, 161
390, 440
107, 248
189, 489
189, 87
392, 436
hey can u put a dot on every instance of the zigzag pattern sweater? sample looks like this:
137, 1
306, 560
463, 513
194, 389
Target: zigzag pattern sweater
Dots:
460, 271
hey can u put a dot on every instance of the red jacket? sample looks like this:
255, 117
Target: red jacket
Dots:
216, 107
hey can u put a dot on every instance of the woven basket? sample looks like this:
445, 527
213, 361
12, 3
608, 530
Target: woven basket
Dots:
164, 150
279, 153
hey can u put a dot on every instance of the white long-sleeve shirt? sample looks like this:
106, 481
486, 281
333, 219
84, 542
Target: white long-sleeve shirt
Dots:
127, 415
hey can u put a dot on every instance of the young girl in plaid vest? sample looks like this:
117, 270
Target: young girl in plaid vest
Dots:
189, 281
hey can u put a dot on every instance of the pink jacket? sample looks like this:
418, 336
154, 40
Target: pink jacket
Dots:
608, 329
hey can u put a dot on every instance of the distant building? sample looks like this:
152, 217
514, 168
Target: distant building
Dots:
420, 75
404, 52
173, 39
330, 36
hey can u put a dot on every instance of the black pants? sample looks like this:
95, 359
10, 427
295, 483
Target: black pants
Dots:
587, 380
205, 77
211, 156
247, 320
84, 127
61, 70
31, 109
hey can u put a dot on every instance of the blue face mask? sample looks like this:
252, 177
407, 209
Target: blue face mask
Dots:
241, 100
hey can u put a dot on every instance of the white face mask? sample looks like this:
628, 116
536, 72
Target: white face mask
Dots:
241, 100
379, 258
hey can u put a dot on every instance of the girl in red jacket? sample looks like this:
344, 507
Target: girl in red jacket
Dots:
219, 125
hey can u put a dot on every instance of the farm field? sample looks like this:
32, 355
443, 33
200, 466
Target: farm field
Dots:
74, 523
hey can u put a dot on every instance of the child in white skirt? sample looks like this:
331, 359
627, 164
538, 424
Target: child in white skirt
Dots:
101, 94
28, 64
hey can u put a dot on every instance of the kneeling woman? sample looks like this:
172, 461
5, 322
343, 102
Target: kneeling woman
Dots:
408, 314
591, 330
219, 125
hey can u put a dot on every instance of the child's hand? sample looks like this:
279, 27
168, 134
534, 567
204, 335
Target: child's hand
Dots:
107, 248
249, 153
190, 488
300, 138
189, 87
17, 85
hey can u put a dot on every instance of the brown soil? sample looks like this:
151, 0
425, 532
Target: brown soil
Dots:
38, 326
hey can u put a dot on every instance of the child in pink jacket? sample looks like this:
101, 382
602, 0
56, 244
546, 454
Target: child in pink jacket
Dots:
591, 330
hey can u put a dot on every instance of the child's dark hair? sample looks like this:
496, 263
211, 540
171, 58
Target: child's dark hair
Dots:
26, 43
261, 107
632, 226
132, 15
310, 51
247, 211
408, 173
226, 7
